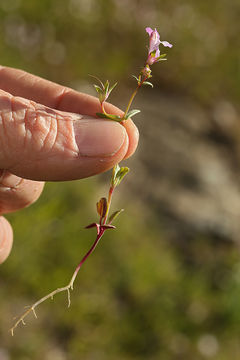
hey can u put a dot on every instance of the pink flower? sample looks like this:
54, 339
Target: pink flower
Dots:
154, 42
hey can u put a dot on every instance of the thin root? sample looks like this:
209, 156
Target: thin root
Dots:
21, 318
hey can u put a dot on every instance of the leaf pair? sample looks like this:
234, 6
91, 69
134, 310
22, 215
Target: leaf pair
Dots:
142, 83
118, 174
104, 90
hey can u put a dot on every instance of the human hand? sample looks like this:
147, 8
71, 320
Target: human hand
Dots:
43, 137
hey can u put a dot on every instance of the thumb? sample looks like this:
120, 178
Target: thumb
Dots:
6, 239
40, 143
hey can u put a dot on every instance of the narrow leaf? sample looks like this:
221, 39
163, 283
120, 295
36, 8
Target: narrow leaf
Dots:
132, 113
106, 227
95, 77
162, 56
135, 77
148, 83
106, 87
92, 225
111, 88
101, 115
110, 117
114, 215
98, 89
97, 226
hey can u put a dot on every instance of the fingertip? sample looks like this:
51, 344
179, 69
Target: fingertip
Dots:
133, 136
131, 128
6, 239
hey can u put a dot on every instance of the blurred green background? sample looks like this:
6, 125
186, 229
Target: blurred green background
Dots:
166, 283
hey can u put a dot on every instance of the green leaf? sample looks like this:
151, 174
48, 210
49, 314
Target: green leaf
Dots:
95, 77
106, 87
148, 83
114, 215
120, 175
132, 113
115, 170
110, 117
115, 118
101, 115
162, 56
111, 88
137, 78
98, 89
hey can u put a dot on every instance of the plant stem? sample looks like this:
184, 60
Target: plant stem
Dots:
90, 251
102, 108
131, 100
110, 193
133, 96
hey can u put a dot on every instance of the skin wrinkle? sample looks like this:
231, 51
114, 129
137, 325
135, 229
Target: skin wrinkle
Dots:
25, 137
58, 118
60, 97
39, 136
71, 145
17, 122
19, 114
6, 140
45, 119
66, 131
3, 135
56, 134
48, 143
20, 76
36, 125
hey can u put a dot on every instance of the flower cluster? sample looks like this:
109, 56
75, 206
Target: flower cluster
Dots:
153, 53
153, 50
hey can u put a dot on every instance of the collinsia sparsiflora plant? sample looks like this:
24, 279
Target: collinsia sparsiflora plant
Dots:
118, 173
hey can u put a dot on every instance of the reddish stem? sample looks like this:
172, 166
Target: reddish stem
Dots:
90, 251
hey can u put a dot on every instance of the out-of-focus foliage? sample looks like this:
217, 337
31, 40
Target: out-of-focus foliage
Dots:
139, 296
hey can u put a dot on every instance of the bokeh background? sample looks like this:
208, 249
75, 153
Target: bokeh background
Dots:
166, 283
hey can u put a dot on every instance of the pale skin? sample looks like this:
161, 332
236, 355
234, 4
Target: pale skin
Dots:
49, 132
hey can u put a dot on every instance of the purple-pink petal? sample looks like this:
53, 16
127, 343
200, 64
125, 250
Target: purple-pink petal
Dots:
166, 43
157, 54
154, 41
149, 31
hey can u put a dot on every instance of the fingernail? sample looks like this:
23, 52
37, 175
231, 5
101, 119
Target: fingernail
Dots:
98, 137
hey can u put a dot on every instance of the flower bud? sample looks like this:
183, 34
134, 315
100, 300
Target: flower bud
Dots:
146, 72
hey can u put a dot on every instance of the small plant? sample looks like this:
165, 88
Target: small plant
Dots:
118, 173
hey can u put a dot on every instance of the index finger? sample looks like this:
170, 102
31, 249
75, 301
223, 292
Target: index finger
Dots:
48, 93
